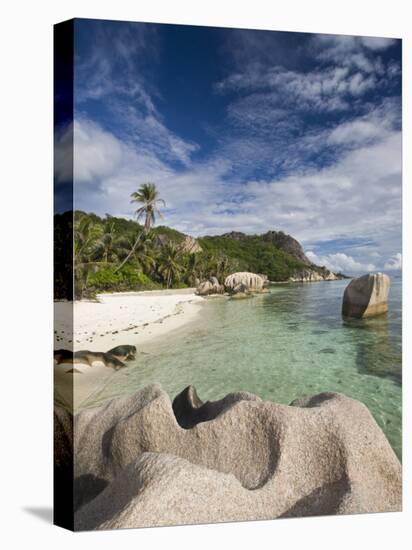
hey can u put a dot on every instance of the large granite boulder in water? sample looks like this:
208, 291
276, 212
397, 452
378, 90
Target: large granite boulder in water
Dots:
141, 460
366, 296
251, 281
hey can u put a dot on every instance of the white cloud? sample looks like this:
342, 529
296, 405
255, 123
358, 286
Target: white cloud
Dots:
111, 72
340, 263
377, 43
357, 197
394, 263
319, 89
352, 69
372, 127
351, 50
107, 170
97, 153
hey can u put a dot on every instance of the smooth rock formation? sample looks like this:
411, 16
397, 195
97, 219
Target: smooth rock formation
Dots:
251, 281
211, 286
141, 461
366, 296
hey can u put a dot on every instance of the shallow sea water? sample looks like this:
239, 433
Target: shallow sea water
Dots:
280, 346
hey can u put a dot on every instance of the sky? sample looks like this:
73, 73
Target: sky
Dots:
243, 130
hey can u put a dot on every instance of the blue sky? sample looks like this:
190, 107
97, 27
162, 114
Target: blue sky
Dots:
245, 130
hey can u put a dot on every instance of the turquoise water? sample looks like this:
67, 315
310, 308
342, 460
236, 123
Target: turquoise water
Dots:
280, 346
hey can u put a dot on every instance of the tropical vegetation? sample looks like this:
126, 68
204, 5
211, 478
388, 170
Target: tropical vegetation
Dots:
117, 254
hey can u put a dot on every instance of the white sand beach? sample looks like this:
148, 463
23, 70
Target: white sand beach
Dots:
123, 318
114, 319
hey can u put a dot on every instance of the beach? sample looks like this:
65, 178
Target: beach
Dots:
123, 318
132, 318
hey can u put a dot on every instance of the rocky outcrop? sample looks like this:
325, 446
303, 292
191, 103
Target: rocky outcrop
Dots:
142, 461
288, 244
312, 276
190, 246
250, 281
366, 296
211, 286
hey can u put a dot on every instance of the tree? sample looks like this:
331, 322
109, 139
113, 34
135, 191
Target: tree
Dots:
144, 251
169, 264
108, 243
86, 234
148, 196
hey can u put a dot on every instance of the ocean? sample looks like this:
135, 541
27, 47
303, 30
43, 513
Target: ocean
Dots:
281, 346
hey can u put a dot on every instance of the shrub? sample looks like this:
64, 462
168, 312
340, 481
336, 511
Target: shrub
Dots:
130, 277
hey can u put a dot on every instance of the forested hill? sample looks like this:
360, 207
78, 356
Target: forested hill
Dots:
274, 254
117, 254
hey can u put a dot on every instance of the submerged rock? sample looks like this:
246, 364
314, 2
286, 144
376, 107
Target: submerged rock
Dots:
241, 296
140, 461
366, 296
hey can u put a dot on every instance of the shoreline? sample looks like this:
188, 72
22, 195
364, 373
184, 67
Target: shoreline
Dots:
123, 318
132, 318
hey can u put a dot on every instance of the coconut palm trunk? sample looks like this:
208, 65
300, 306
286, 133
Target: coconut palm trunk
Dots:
130, 253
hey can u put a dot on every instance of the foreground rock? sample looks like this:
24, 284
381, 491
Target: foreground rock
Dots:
141, 461
250, 281
366, 296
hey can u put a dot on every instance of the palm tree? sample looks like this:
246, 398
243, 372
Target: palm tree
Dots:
86, 234
225, 266
108, 243
192, 268
143, 249
148, 196
169, 265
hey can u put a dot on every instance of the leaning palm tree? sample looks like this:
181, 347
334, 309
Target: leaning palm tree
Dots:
148, 196
144, 250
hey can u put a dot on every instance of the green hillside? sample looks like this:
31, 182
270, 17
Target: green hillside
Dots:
254, 254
